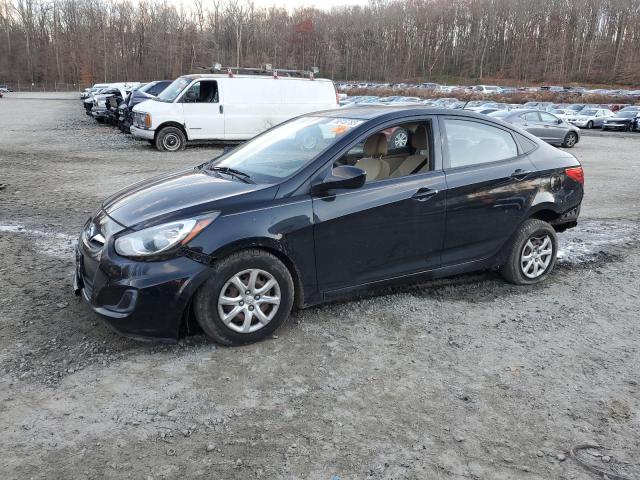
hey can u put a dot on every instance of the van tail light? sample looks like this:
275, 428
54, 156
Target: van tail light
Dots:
575, 173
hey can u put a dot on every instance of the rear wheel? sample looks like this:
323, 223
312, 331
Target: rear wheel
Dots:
532, 253
248, 296
570, 140
399, 139
170, 139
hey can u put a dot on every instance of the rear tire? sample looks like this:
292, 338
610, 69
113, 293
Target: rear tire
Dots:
532, 253
170, 139
234, 317
570, 140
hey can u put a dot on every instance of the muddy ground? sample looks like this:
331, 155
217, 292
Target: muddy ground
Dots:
461, 378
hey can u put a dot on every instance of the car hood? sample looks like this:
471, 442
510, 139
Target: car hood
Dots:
154, 106
179, 195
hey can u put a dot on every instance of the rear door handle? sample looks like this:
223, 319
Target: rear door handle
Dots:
520, 174
423, 194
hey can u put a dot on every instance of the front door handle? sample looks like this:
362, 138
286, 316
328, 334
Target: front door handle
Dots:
423, 194
520, 174
221, 108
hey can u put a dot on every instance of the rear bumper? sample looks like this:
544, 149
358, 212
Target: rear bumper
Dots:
141, 300
142, 133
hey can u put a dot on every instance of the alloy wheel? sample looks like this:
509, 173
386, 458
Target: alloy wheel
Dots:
400, 139
571, 140
249, 300
536, 256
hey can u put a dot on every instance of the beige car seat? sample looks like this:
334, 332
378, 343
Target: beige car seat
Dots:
420, 142
375, 147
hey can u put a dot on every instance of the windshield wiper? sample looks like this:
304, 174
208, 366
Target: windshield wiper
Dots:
246, 178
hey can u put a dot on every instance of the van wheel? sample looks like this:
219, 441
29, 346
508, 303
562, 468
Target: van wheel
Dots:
170, 139
532, 253
570, 140
247, 297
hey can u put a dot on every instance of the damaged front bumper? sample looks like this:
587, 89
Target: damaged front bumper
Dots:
144, 300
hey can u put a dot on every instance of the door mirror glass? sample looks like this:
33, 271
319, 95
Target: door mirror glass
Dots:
343, 176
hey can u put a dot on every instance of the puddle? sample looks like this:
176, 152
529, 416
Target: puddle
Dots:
53, 244
595, 240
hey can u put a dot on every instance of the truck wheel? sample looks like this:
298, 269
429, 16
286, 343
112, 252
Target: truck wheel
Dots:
248, 296
532, 253
170, 139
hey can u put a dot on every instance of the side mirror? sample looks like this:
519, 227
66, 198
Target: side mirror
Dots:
559, 121
343, 176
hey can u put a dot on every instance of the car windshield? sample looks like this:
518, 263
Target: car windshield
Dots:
500, 113
588, 113
285, 149
627, 114
170, 93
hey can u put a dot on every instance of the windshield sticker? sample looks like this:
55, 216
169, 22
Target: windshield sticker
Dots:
342, 125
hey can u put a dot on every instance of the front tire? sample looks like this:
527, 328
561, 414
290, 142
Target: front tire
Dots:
248, 296
532, 253
589, 124
570, 140
170, 139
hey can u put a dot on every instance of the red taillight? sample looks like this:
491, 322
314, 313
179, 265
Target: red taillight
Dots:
575, 173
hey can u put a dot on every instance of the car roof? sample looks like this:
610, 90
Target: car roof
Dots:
282, 76
369, 112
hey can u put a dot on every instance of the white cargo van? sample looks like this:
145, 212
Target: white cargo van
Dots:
227, 107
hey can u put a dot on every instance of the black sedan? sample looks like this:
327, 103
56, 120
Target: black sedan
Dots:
318, 209
622, 120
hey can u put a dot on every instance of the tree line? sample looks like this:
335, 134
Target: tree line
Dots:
79, 42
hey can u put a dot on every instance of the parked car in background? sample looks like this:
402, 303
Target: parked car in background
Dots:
590, 117
561, 112
227, 107
136, 96
543, 125
622, 120
5, 89
486, 89
234, 243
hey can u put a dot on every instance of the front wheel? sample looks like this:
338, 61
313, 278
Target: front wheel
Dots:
589, 124
170, 139
248, 296
570, 140
532, 253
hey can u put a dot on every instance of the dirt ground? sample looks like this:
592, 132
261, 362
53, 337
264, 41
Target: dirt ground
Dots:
467, 377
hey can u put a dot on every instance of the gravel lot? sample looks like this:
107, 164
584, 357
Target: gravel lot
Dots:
467, 377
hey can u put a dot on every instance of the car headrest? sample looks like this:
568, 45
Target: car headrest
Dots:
420, 138
375, 145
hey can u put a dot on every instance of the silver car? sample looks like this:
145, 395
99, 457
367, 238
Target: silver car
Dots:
544, 125
590, 117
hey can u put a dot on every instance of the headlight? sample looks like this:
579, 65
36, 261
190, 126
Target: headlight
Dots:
158, 239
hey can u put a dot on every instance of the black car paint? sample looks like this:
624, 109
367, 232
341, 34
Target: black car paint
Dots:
442, 222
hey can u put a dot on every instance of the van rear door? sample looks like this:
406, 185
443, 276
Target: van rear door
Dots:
203, 112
